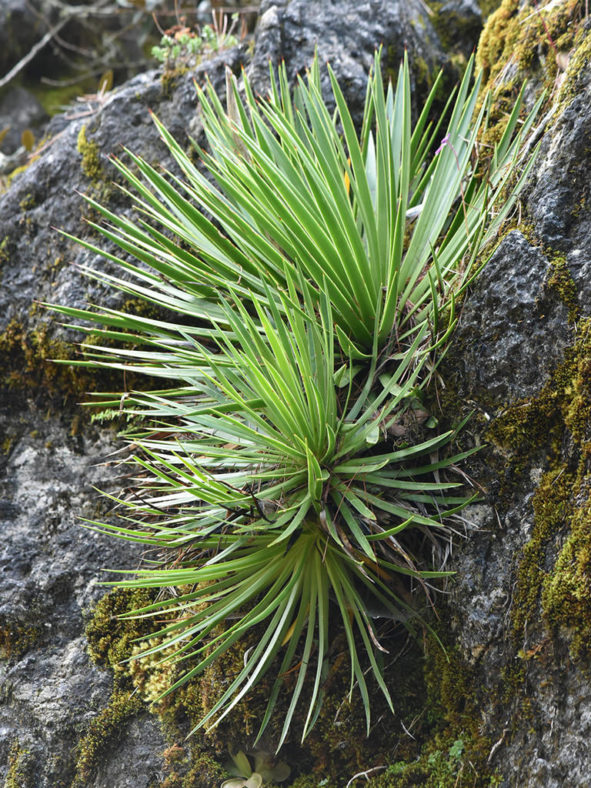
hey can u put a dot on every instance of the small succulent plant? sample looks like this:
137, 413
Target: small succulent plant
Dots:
266, 770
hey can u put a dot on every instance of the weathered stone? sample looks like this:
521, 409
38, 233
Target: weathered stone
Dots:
19, 110
509, 312
517, 327
345, 34
50, 568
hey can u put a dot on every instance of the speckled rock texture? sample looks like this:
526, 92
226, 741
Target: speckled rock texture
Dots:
513, 335
346, 35
49, 565
559, 201
511, 311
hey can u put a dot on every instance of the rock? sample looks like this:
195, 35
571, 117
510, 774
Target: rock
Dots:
509, 312
558, 202
49, 567
19, 110
517, 328
44, 196
346, 35
522, 347
130, 762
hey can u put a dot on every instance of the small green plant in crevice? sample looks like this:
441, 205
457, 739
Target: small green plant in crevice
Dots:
266, 770
182, 46
288, 475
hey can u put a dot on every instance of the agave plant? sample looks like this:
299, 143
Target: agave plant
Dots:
275, 479
390, 230
278, 499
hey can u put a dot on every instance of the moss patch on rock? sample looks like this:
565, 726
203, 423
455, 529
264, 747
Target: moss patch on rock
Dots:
555, 567
91, 158
20, 772
46, 367
16, 638
435, 698
562, 282
535, 42
453, 750
27, 362
455, 30
101, 732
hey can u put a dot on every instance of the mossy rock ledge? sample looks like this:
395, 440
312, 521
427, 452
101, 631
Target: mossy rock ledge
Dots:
509, 702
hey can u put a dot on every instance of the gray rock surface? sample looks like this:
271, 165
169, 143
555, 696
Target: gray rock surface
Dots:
509, 312
19, 110
346, 34
559, 201
50, 568
513, 333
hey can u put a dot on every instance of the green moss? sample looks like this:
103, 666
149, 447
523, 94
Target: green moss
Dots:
454, 29
27, 203
555, 567
91, 162
20, 768
204, 771
110, 637
579, 58
488, 6
110, 642
4, 251
56, 99
566, 595
17, 171
17, 638
436, 698
528, 37
527, 425
455, 752
551, 504
525, 42
531, 425
101, 732
26, 363
309, 781
561, 281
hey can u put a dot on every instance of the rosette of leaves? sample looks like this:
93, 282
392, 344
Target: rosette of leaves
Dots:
387, 222
275, 479
266, 770
274, 491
